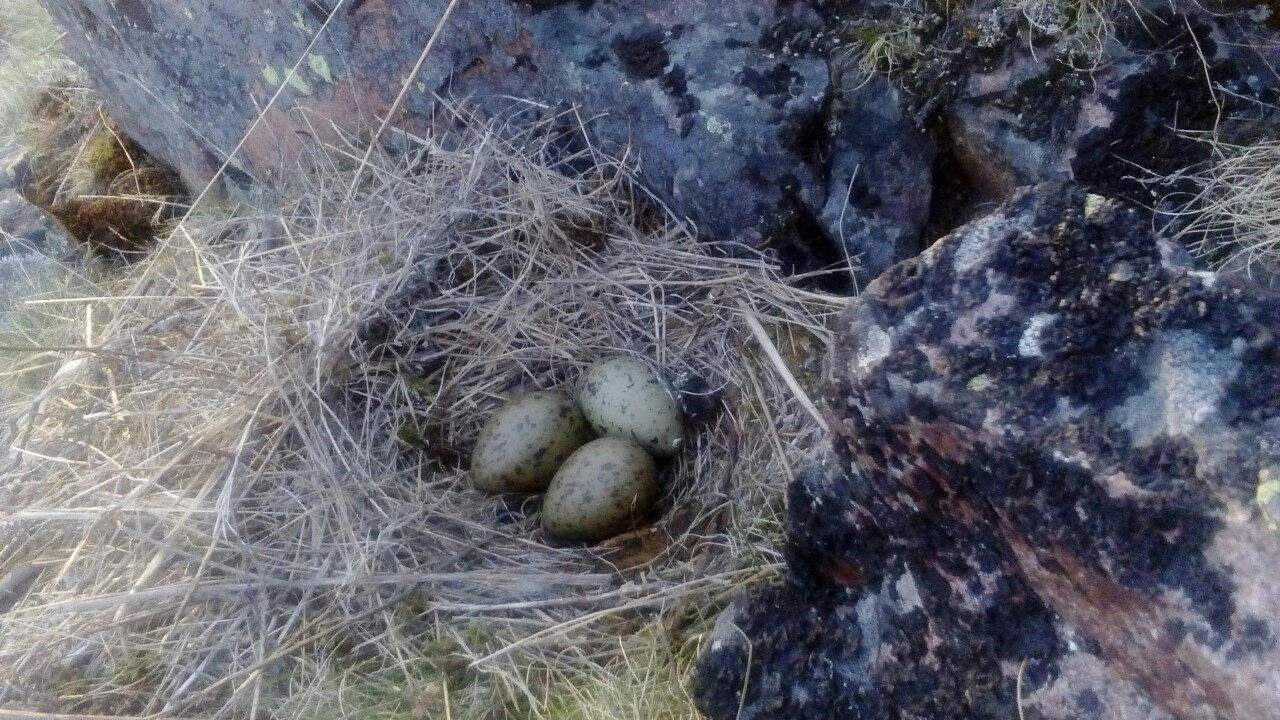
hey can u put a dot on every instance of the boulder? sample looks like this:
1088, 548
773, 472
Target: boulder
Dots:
732, 110
1044, 497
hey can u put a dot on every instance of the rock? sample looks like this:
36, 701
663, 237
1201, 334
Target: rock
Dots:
1042, 497
25, 228
731, 108
32, 248
1121, 129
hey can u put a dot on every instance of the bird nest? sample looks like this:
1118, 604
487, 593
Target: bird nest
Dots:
242, 489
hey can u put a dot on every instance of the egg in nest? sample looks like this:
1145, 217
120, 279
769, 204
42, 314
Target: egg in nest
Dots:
601, 490
624, 397
525, 442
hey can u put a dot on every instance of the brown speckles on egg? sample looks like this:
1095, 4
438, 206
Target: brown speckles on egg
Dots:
601, 490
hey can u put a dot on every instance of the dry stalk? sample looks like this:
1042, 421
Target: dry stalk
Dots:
1234, 220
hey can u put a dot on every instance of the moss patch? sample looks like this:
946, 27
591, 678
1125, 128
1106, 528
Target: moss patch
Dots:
100, 184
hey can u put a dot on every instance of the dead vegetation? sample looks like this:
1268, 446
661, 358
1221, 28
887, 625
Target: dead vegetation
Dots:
103, 188
907, 38
76, 162
234, 477
239, 491
30, 62
1234, 219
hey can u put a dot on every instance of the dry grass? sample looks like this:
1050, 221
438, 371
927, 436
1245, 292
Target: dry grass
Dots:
901, 35
893, 42
30, 62
1081, 29
33, 314
1234, 220
239, 492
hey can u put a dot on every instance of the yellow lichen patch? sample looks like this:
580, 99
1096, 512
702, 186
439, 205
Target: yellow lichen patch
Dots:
719, 126
297, 83
320, 66
271, 76
1093, 204
979, 383
104, 156
1269, 496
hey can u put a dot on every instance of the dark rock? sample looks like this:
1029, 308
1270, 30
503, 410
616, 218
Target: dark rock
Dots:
1122, 129
871, 191
729, 107
1042, 497
33, 252
24, 227
30, 240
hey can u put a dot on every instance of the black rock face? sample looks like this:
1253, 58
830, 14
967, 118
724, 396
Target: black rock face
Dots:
1174, 75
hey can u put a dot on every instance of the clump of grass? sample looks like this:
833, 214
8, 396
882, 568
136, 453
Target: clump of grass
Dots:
904, 38
1234, 219
243, 488
892, 40
1081, 30
100, 184
30, 62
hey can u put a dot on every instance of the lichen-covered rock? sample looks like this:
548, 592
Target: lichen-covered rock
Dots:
1119, 129
730, 107
1042, 496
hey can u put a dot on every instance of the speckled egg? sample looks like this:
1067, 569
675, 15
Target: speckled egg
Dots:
525, 441
624, 397
601, 490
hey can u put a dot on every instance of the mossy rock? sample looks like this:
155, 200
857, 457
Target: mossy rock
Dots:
103, 188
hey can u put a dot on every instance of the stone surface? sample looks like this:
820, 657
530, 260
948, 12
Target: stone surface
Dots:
35, 257
1120, 129
735, 115
32, 247
1042, 497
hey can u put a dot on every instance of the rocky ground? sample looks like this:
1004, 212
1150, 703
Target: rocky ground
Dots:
768, 124
1049, 423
